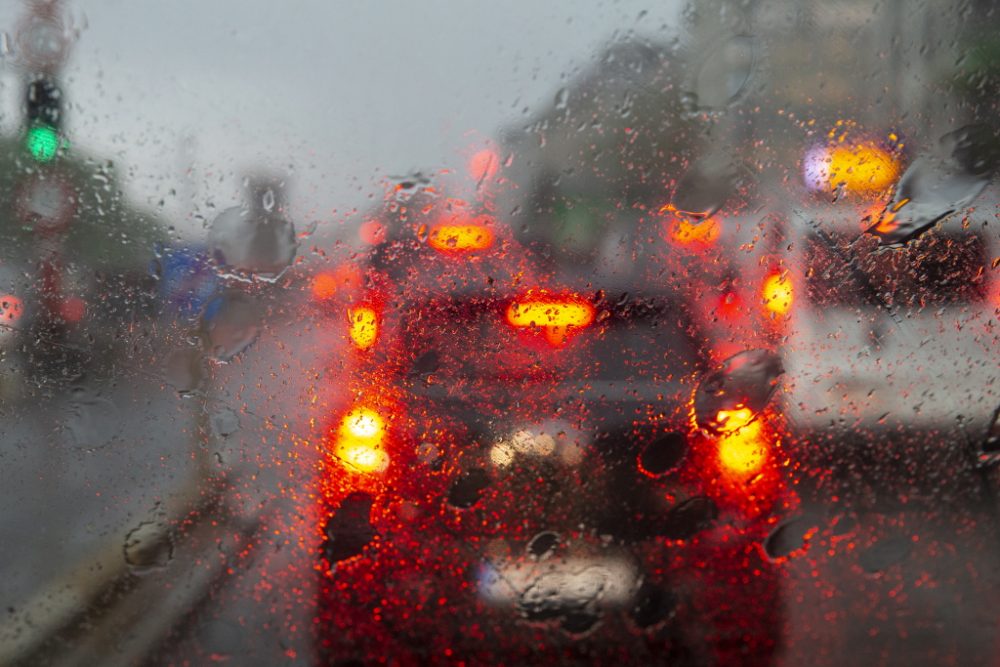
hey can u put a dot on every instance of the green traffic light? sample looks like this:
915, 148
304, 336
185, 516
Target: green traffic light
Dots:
42, 142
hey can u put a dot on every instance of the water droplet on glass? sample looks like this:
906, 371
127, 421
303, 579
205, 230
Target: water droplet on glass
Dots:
543, 544
705, 187
229, 324
255, 240
426, 364
580, 622
689, 518
744, 382
91, 420
663, 454
467, 488
936, 185
652, 605
725, 72
225, 422
565, 594
183, 370
349, 530
788, 537
149, 546
429, 454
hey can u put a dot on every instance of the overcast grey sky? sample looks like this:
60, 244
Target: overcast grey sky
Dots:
339, 93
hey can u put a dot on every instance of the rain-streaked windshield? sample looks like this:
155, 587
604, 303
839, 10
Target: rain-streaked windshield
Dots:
516, 333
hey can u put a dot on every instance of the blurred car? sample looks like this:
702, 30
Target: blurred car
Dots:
522, 465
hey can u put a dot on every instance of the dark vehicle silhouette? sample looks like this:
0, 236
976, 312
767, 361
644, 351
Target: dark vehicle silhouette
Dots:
520, 479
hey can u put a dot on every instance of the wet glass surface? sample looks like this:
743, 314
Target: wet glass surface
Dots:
499, 334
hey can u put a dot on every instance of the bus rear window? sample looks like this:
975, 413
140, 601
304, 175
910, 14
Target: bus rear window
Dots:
939, 269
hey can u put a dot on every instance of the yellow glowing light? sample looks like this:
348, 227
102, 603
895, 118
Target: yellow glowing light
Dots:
742, 447
685, 232
861, 168
732, 420
362, 457
460, 238
363, 326
777, 293
364, 424
359, 442
556, 317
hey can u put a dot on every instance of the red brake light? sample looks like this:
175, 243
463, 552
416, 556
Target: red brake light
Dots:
457, 238
730, 306
327, 284
11, 308
557, 316
373, 232
359, 441
484, 165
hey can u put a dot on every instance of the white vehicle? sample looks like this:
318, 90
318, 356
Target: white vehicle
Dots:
885, 338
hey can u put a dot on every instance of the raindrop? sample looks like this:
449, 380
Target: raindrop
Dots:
725, 72
663, 454
429, 454
885, 553
580, 622
935, 186
705, 187
256, 239
229, 324
89, 417
411, 185
149, 546
349, 530
426, 364
467, 488
543, 544
225, 422
566, 595
744, 382
788, 537
690, 518
183, 370
653, 605
562, 99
